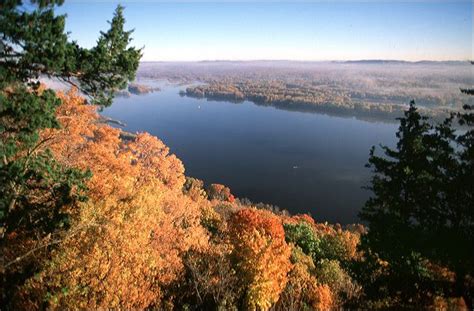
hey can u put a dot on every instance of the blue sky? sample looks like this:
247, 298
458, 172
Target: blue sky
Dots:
330, 30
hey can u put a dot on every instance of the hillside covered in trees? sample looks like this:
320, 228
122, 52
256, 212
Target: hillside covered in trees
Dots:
149, 236
90, 220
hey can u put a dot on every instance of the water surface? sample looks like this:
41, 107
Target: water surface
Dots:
303, 162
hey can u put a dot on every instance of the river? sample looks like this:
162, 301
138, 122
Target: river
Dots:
299, 161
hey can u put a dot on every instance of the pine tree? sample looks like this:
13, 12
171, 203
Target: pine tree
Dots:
36, 191
421, 208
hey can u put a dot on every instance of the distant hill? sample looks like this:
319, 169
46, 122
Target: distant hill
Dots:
402, 62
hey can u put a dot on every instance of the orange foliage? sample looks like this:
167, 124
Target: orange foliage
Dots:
122, 253
126, 243
211, 275
263, 257
349, 242
194, 188
302, 217
118, 167
324, 300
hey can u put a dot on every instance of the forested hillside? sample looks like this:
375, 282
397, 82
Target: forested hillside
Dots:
148, 236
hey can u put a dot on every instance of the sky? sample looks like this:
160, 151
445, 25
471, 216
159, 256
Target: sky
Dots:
309, 30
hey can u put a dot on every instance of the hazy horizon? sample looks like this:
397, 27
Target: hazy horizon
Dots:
301, 31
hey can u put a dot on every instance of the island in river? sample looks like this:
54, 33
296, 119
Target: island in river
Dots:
136, 89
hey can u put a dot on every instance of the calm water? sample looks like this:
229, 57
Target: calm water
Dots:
302, 162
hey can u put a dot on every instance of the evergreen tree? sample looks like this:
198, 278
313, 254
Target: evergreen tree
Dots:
421, 208
37, 192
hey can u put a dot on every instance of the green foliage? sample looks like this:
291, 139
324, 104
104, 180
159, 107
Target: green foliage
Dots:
34, 43
26, 167
302, 235
400, 186
328, 254
318, 246
109, 65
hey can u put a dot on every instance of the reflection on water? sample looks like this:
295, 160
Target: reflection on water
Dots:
302, 162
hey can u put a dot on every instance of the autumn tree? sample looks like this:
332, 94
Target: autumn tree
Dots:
194, 188
262, 256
